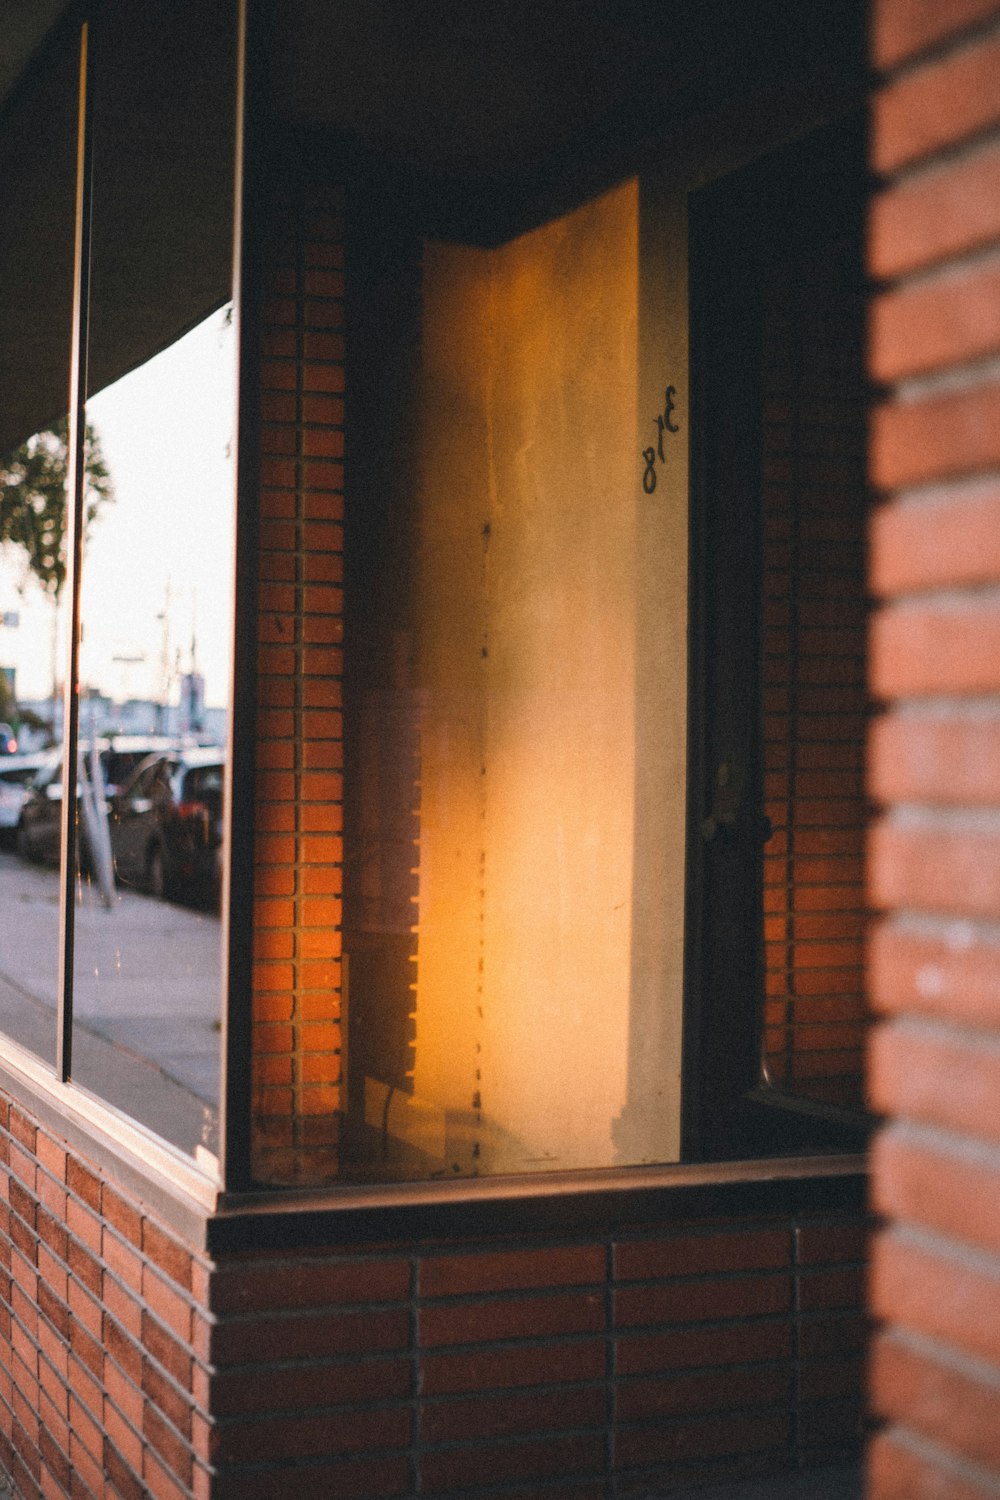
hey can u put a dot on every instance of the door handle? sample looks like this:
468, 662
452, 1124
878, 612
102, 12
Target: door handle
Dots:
724, 821
725, 829
720, 823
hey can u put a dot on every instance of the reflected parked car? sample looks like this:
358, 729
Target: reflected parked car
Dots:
16, 773
38, 825
166, 826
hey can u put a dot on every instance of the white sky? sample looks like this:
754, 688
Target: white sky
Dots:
166, 431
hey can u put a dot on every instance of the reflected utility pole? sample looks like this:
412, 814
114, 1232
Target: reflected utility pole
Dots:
164, 617
125, 662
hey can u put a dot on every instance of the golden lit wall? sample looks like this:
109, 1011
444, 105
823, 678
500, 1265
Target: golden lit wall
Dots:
532, 589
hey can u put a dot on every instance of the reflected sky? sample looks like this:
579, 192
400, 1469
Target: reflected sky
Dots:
168, 528
166, 542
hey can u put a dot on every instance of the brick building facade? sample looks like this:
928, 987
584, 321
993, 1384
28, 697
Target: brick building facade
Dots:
934, 756
648, 1321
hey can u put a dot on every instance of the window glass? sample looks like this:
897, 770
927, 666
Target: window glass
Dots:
38, 171
501, 562
156, 583
776, 946
813, 696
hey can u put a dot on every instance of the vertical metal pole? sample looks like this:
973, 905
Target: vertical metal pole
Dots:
235, 1094
75, 492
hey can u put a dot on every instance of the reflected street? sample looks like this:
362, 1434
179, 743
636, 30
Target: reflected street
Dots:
146, 1021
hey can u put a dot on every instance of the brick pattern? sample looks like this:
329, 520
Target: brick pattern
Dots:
535, 1366
555, 1369
103, 1334
935, 851
545, 1369
299, 823
813, 664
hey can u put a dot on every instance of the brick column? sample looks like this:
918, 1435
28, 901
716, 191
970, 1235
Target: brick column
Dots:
299, 728
935, 761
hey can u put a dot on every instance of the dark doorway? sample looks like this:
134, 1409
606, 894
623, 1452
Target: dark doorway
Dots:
777, 815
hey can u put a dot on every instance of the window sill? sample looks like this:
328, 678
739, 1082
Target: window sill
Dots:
595, 1202
134, 1160
591, 1201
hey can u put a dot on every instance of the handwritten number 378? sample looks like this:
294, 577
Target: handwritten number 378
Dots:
663, 424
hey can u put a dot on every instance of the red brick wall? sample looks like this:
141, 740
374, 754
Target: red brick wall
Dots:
813, 666
104, 1337
519, 1366
536, 1366
935, 763
299, 821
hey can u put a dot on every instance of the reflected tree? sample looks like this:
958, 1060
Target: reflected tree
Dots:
33, 500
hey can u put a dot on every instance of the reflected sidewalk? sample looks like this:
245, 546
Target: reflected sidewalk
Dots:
146, 998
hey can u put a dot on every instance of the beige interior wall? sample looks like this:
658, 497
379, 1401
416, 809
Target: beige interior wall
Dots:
552, 657
650, 1127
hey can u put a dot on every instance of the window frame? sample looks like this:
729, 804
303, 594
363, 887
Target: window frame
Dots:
102, 1122
729, 1112
118, 1139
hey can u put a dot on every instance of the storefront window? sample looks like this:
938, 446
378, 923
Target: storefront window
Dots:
156, 578
38, 172
141, 939
506, 1004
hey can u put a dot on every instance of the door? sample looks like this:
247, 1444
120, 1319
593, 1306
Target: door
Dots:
777, 814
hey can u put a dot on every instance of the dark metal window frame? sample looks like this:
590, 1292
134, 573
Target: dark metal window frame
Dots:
230, 1213
70, 1100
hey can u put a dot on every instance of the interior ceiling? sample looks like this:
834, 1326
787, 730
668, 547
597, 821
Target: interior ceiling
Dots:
25, 26
498, 115
478, 89
511, 89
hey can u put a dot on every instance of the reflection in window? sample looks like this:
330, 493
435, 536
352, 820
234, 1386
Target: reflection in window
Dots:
150, 705
31, 706
156, 613
37, 169
151, 702
156, 573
